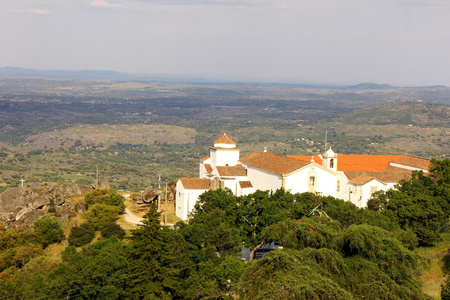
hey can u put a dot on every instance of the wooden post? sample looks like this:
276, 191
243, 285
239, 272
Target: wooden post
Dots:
165, 215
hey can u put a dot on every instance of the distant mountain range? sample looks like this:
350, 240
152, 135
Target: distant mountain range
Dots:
13, 72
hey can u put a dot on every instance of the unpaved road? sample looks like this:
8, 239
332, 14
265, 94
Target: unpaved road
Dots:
132, 218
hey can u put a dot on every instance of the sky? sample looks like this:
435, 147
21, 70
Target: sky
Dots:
398, 42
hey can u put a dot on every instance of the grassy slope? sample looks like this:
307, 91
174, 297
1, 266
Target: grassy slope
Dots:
432, 278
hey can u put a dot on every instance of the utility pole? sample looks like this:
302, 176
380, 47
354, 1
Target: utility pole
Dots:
97, 176
165, 215
159, 193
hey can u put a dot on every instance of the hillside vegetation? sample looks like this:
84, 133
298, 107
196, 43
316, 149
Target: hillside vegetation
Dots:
347, 253
62, 130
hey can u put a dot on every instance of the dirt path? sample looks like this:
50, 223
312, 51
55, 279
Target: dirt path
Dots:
132, 218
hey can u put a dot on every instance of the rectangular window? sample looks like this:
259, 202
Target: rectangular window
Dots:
338, 186
373, 189
312, 180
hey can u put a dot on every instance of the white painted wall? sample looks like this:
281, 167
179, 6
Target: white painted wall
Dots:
229, 146
325, 181
230, 184
202, 169
224, 157
185, 200
263, 180
344, 186
362, 193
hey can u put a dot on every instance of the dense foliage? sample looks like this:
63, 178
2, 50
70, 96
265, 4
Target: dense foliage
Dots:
105, 196
49, 228
354, 254
421, 205
81, 235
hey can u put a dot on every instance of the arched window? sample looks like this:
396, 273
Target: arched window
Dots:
331, 163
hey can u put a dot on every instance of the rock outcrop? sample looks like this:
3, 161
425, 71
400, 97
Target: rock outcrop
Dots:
100, 184
23, 205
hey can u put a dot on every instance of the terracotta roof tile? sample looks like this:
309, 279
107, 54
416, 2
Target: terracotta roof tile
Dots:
412, 161
224, 139
308, 158
245, 184
273, 163
362, 179
208, 168
204, 158
232, 171
388, 175
195, 183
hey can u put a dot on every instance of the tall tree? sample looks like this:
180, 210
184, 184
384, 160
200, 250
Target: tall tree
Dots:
152, 251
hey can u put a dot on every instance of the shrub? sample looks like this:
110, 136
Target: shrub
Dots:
109, 197
101, 215
50, 230
113, 229
81, 235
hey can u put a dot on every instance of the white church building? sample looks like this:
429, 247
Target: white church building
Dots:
352, 178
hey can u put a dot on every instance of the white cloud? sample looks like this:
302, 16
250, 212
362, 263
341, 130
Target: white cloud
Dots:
104, 4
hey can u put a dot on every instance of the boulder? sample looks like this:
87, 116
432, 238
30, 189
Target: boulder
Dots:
100, 184
27, 220
149, 195
17, 203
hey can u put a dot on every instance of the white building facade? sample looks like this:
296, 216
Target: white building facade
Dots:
352, 178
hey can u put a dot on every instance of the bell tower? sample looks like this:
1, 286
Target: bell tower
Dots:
330, 160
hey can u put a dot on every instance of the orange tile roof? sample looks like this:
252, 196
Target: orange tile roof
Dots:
232, 171
364, 162
362, 179
388, 175
195, 183
349, 162
208, 168
317, 159
204, 158
412, 161
273, 163
245, 184
224, 139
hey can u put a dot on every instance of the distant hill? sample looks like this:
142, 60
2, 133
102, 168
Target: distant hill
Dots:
12, 72
402, 113
369, 86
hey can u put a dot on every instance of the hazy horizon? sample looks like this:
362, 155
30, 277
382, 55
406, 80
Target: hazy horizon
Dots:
396, 42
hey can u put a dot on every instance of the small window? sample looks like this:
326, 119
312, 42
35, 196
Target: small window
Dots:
338, 186
331, 163
312, 180
373, 189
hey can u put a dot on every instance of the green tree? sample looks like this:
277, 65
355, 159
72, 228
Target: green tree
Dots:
105, 196
81, 235
152, 250
99, 273
101, 215
50, 229
113, 229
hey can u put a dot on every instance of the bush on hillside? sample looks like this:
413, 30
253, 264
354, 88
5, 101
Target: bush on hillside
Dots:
81, 235
109, 197
113, 229
101, 215
50, 230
